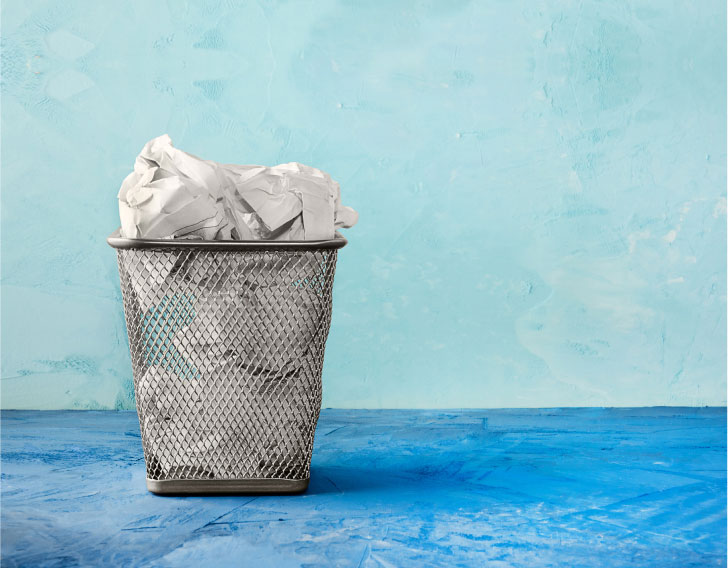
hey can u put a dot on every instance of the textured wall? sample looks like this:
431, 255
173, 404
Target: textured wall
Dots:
541, 187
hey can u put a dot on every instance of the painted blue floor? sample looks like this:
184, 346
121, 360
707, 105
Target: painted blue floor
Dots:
564, 487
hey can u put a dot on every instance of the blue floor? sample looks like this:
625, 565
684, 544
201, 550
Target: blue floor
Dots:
563, 487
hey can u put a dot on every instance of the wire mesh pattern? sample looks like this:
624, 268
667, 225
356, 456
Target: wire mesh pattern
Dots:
227, 349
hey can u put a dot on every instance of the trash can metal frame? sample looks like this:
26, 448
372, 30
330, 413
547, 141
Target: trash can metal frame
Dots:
277, 389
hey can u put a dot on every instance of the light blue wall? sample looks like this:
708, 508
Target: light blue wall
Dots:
541, 187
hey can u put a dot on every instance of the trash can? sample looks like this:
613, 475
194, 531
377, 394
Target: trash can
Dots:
227, 344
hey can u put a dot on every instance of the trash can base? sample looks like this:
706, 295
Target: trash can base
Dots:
258, 486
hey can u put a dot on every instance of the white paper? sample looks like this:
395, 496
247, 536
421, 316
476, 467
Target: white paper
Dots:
173, 194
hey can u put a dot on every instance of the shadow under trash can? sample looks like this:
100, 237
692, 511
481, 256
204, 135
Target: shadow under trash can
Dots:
227, 345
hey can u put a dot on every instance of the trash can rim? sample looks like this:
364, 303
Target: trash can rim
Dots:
118, 242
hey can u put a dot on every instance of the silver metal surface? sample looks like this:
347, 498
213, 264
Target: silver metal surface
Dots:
227, 348
119, 242
222, 486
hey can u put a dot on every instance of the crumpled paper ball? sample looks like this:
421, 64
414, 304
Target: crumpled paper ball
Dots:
173, 194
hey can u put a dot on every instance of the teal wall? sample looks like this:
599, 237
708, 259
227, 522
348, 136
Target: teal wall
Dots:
541, 187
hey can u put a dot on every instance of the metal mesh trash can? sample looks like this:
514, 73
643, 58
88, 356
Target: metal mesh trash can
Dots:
227, 344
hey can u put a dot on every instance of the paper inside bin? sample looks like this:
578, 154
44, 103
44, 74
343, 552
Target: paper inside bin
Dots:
189, 427
214, 360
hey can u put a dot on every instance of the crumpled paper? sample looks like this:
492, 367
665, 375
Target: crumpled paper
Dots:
182, 427
173, 194
227, 348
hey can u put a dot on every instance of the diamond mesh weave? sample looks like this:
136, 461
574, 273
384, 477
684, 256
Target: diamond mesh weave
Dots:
227, 349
